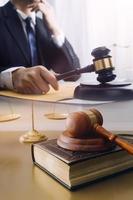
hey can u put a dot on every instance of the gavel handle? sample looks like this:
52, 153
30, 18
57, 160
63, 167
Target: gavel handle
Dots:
89, 68
114, 138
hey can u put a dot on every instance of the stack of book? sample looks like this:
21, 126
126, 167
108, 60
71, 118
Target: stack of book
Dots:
75, 168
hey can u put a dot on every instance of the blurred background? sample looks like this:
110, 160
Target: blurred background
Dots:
92, 23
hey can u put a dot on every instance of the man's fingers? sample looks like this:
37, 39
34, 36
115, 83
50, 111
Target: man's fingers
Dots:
34, 7
49, 78
35, 80
27, 86
41, 84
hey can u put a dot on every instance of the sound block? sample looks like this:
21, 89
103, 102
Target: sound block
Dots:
95, 144
104, 92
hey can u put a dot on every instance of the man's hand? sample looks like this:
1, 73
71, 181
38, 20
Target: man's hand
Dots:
35, 80
48, 13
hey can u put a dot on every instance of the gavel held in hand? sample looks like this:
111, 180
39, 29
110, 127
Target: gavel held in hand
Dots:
102, 65
83, 128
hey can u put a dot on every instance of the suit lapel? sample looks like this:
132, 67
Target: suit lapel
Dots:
42, 41
15, 28
38, 37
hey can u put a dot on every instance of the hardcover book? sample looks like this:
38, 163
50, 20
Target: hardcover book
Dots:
75, 168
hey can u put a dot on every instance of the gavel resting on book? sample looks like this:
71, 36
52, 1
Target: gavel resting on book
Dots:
102, 65
84, 132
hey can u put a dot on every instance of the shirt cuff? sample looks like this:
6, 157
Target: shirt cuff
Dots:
58, 39
6, 78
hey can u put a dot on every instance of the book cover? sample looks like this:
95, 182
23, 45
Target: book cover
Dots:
76, 168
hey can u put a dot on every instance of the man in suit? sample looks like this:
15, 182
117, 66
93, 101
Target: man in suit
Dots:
29, 52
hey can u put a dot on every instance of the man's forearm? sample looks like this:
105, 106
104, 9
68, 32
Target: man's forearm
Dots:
6, 78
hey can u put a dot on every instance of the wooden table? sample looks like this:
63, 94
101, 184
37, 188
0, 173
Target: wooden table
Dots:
21, 180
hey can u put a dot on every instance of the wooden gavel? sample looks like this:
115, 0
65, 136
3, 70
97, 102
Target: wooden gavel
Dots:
102, 65
82, 125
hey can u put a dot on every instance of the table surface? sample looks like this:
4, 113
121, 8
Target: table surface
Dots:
20, 179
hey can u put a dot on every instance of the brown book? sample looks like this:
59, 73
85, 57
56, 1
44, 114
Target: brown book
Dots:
75, 168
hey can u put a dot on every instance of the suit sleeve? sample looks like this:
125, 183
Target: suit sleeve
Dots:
65, 59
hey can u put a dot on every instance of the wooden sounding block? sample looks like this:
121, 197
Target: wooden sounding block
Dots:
86, 144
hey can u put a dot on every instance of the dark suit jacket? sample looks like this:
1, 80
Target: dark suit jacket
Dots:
14, 50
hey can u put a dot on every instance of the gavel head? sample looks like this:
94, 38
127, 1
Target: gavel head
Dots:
80, 124
103, 64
